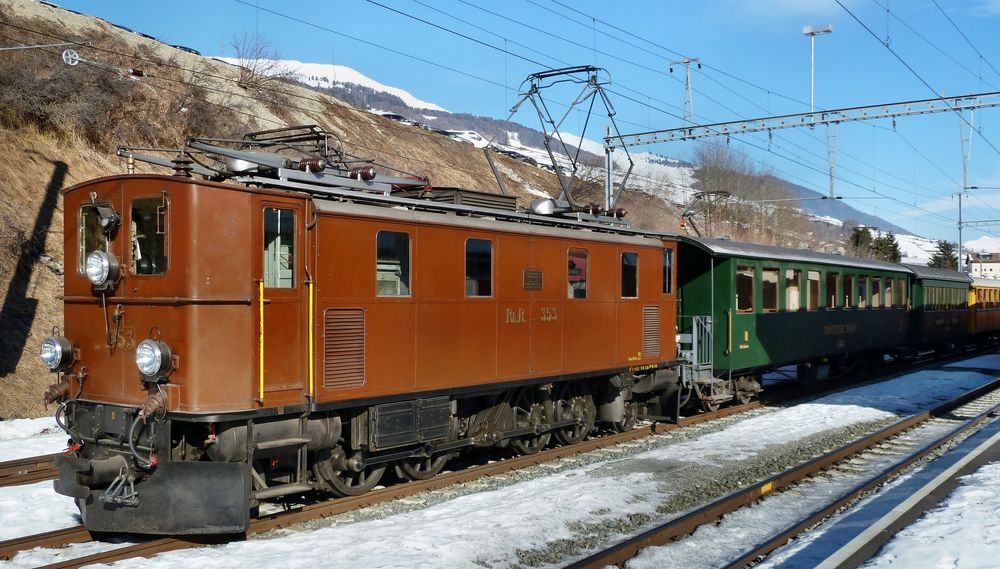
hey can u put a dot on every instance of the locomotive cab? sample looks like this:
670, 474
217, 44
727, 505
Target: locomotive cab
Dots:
156, 259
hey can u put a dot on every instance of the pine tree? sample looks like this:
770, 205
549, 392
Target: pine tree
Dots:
945, 256
887, 249
861, 242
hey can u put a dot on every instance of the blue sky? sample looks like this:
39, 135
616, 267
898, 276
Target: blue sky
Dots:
756, 63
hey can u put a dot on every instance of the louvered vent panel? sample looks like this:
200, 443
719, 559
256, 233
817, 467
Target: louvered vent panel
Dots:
343, 348
650, 331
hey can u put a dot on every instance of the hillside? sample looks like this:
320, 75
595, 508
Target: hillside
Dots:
60, 125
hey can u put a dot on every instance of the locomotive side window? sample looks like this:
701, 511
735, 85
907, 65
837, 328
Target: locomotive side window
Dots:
813, 297
630, 275
769, 282
279, 248
577, 273
876, 292
668, 270
863, 291
831, 290
478, 267
848, 291
793, 289
744, 289
91, 237
149, 236
392, 273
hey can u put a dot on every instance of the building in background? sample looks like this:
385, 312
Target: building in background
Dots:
985, 265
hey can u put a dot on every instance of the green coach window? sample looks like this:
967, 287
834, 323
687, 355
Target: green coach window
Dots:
876, 292
744, 289
831, 290
812, 290
848, 291
769, 283
863, 291
793, 289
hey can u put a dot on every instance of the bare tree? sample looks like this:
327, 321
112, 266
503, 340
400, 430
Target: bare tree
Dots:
260, 65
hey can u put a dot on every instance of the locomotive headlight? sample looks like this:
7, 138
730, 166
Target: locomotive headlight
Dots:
102, 268
56, 352
152, 357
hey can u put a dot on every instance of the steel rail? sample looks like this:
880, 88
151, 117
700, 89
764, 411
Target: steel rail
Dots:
54, 538
860, 490
333, 507
684, 525
27, 470
328, 508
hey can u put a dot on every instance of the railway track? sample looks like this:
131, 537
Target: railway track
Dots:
27, 470
985, 401
310, 512
332, 507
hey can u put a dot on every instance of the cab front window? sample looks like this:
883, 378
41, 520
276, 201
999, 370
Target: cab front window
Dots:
91, 237
148, 230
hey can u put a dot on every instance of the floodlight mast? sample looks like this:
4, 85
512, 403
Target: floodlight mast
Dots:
812, 32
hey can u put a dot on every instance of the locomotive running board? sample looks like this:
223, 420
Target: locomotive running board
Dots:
179, 498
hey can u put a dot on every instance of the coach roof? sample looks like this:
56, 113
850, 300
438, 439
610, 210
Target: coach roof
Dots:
937, 273
728, 248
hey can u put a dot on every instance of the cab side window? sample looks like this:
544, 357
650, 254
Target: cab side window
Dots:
478, 267
279, 248
577, 273
392, 272
668, 270
630, 275
148, 236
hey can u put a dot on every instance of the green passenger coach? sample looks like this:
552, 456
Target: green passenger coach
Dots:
940, 306
746, 308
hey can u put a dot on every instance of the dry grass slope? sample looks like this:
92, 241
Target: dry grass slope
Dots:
59, 126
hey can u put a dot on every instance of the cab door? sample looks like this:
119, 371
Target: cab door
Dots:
282, 301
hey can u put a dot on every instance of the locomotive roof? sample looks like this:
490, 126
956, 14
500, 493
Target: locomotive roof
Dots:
728, 248
486, 220
937, 273
353, 202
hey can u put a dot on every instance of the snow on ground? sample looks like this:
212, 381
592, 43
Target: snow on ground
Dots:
48, 510
24, 438
532, 513
962, 532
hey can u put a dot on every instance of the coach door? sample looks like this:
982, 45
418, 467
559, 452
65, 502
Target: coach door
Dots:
282, 301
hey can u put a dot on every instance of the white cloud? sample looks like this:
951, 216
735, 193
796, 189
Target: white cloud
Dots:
986, 8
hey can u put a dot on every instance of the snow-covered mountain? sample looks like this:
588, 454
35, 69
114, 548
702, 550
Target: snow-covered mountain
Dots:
329, 75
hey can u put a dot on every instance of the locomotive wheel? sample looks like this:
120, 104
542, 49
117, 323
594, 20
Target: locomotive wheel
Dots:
575, 403
710, 406
421, 467
345, 481
744, 397
628, 423
351, 483
529, 411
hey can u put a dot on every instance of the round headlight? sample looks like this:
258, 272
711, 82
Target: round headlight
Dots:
56, 352
152, 357
102, 268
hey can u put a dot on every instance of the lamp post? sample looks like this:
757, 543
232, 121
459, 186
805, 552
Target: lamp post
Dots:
812, 32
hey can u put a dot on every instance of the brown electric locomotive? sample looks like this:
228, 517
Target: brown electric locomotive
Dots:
272, 319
